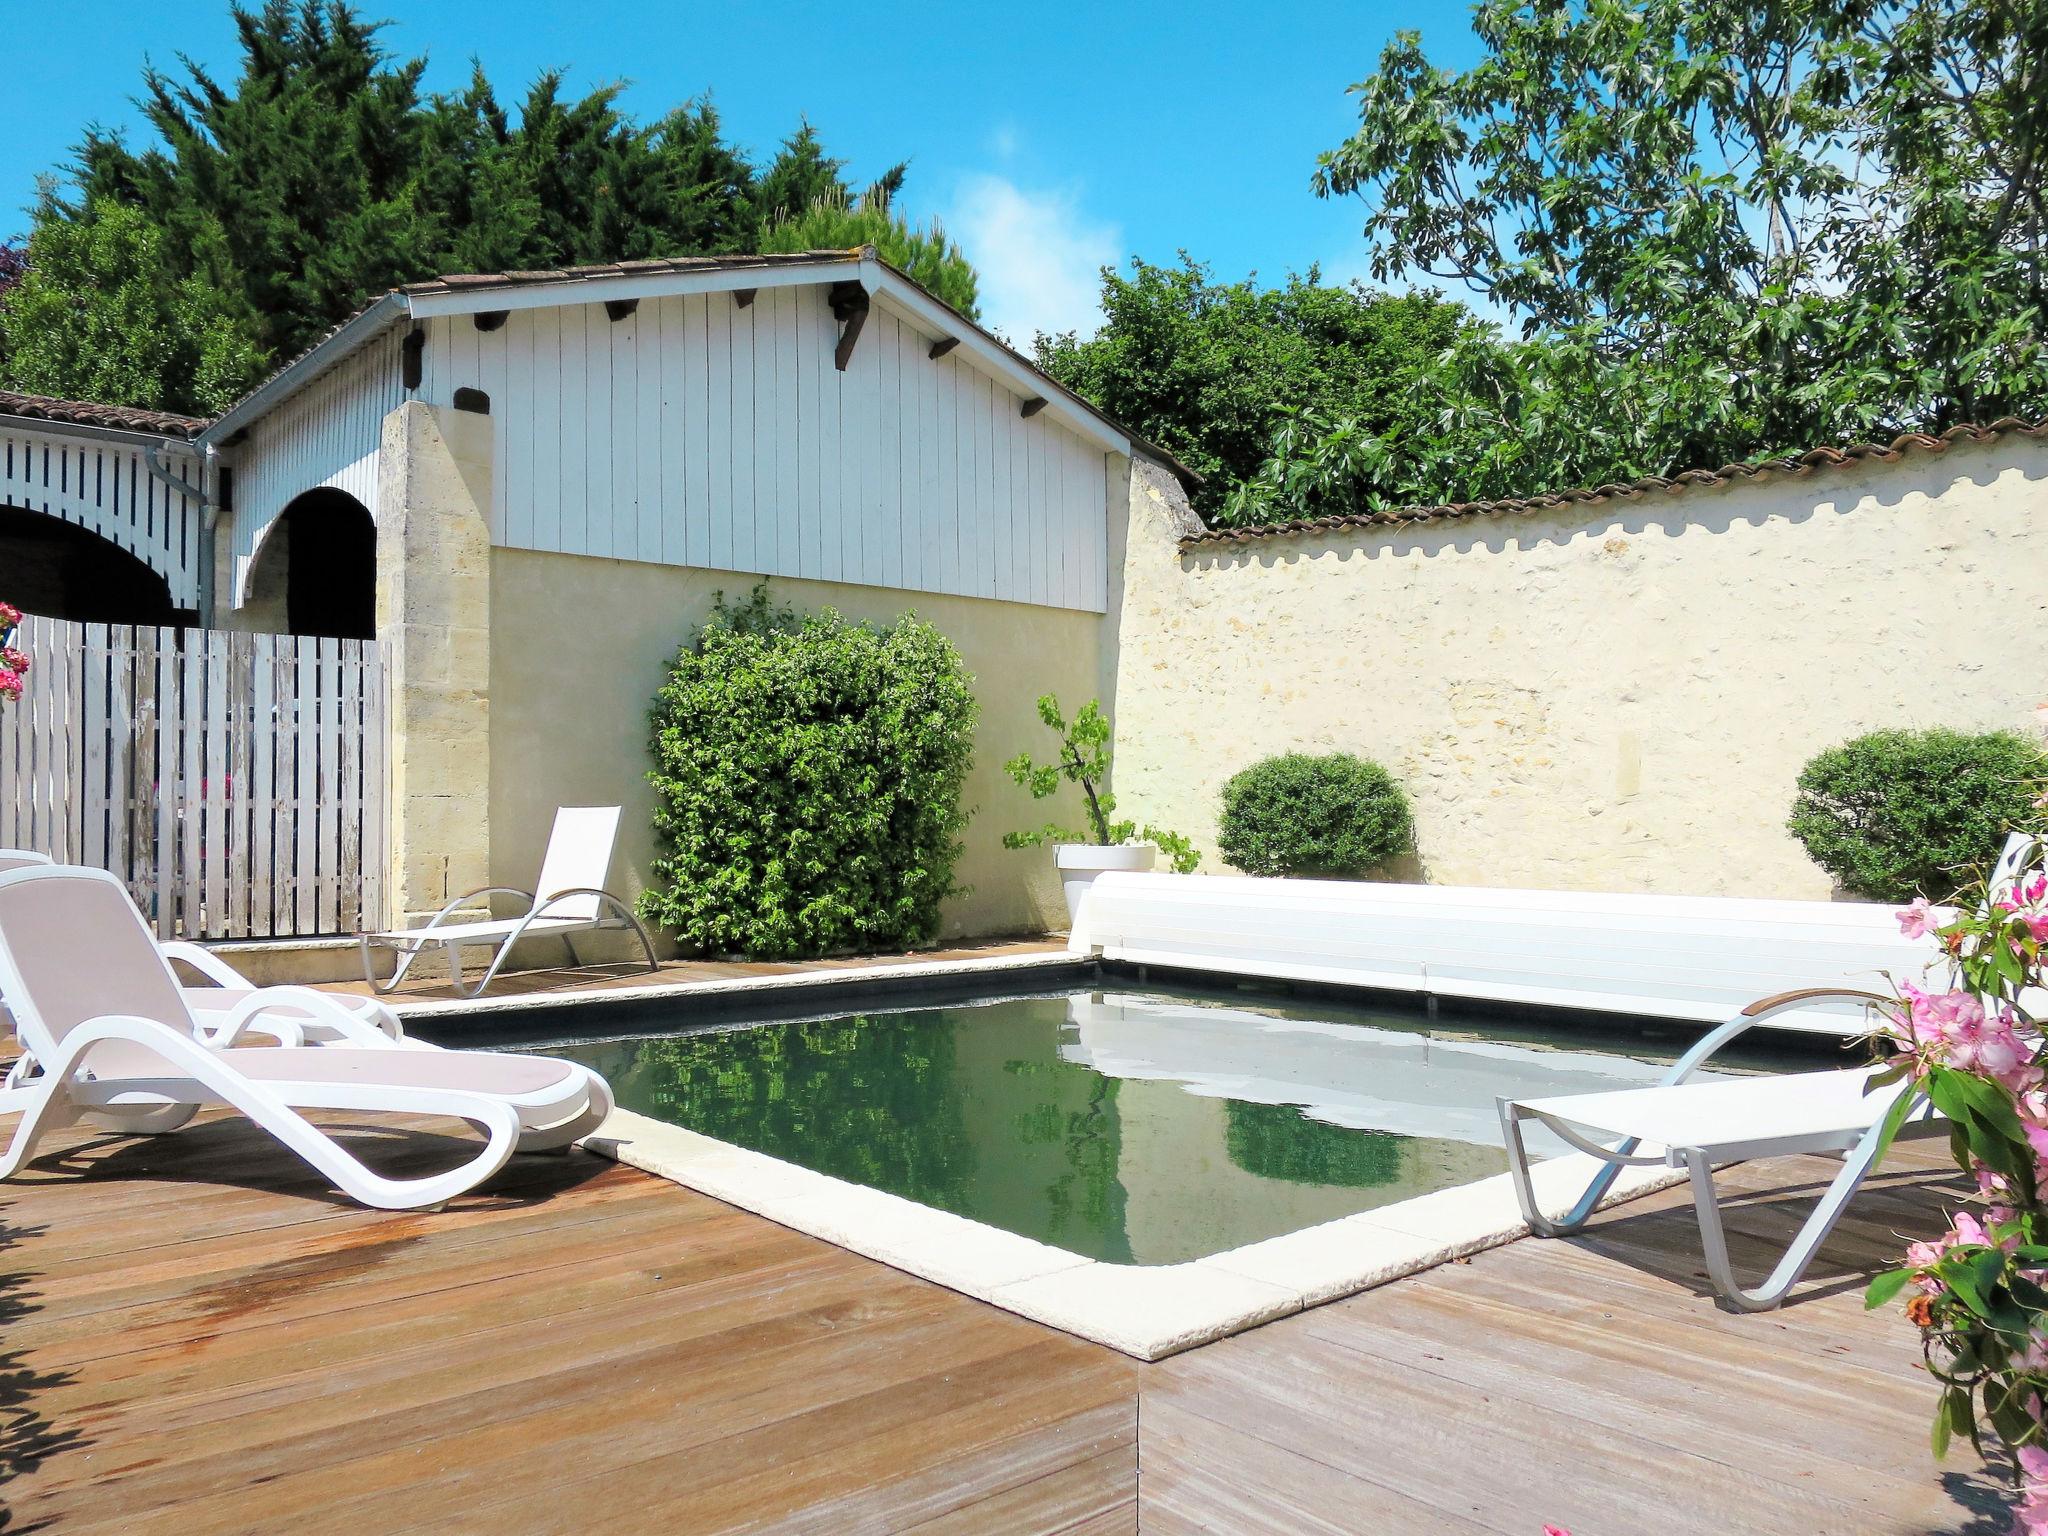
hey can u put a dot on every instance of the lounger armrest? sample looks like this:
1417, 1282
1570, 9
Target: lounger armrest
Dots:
1760, 1011
255, 1014
451, 909
249, 1017
205, 962
1783, 1000
577, 890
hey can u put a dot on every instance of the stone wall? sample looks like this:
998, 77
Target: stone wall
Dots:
579, 646
1616, 696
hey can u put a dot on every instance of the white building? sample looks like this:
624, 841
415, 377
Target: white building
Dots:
529, 486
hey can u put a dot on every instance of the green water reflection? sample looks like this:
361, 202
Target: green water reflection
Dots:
975, 1110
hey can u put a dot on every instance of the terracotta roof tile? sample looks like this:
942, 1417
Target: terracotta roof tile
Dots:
1812, 460
84, 413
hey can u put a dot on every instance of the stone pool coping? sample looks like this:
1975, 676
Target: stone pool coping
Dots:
1148, 1311
853, 978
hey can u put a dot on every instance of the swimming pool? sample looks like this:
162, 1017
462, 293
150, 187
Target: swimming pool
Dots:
1147, 1128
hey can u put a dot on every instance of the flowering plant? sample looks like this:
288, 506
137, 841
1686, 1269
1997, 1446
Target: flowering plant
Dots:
13, 663
1979, 1292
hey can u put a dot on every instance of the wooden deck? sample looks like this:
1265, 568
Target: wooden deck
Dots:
199, 1339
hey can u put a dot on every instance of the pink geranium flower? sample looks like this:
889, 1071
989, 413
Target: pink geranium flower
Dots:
1917, 920
2030, 1518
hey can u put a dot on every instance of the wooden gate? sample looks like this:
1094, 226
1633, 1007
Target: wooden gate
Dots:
235, 782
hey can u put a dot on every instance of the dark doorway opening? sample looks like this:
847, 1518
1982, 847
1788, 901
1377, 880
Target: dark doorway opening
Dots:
322, 553
62, 571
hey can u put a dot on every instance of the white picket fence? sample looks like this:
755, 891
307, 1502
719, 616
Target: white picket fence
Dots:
235, 782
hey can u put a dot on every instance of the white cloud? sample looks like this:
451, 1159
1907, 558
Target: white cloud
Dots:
1038, 255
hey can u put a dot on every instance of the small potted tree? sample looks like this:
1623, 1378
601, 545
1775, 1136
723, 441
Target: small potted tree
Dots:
1106, 844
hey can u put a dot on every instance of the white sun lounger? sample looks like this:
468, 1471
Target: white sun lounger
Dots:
112, 1039
1698, 1126
568, 899
228, 1003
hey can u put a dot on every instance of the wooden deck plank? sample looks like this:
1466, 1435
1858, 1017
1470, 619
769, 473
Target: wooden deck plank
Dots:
199, 1337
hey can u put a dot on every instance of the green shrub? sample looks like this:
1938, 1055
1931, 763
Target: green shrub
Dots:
1896, 814
1335, 815
809, 774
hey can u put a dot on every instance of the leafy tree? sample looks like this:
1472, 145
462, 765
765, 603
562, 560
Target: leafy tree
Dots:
1724, 230
1212, 370
834, 223
97, 316
802, 175
323, 175
13, 266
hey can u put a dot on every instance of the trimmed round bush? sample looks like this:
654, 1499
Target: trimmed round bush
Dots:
1333, 815
1898, 814
808, 773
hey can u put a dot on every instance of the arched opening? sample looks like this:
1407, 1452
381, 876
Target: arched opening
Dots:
315, 571
63, 571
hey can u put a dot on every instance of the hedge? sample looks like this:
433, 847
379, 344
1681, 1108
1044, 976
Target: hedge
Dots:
1898, 814
808, 773
1336, 815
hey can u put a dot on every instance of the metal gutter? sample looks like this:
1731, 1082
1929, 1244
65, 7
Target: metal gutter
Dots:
359, 329
124, 435
548, 292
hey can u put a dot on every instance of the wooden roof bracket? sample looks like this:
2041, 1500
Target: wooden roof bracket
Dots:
850, 309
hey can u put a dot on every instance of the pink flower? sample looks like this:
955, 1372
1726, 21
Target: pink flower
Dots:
10, 683
1555, 1530
2033, 1356
2030, 1517
1969, 1232
1990, 1184
9, 616
1917, 920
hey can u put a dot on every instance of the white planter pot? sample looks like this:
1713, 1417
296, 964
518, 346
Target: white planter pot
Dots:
1080, 863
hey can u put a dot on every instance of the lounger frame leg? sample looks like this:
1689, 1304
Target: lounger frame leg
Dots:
506, 946
1615, 1159
1805, 1243
406, 955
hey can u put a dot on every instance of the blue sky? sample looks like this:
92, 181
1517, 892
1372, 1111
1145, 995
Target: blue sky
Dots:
1050, 140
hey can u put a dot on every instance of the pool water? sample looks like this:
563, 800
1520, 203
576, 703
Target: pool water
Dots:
1132, 1127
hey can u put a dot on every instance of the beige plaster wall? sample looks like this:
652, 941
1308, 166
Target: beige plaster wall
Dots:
1617, 697
579, 645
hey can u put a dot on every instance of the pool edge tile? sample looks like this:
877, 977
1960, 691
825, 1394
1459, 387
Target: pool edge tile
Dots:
1147, 1311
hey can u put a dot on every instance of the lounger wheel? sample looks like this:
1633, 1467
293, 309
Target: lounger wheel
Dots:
564, 1134
160, 1120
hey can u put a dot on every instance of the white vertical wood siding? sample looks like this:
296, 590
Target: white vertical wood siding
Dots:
105, 486
325, 435
695, 432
